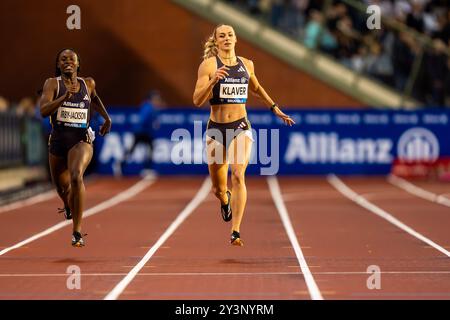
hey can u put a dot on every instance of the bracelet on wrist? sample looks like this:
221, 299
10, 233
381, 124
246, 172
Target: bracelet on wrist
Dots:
272, 108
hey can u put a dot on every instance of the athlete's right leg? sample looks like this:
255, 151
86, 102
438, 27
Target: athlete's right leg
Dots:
60, 178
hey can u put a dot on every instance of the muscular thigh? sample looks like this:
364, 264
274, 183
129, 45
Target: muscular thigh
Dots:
59, 170
79, 157
217, 162
239, 151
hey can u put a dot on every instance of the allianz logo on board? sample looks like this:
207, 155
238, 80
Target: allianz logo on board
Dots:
418, 144
415, 144
328, 147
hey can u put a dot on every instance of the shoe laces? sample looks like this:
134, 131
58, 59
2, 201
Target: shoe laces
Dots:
235, 235
79, 235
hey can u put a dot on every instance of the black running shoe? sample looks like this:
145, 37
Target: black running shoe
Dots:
77, 239
226, 209
236, 239
66, 211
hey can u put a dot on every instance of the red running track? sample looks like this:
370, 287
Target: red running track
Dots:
339, 239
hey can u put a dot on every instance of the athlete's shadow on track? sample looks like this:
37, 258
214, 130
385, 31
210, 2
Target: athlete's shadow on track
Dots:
74, 261
235, 261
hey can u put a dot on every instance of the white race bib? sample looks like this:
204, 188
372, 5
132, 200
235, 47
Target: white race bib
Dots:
233, 90
72, 115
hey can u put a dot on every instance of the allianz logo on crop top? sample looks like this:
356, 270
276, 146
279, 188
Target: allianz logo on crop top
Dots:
73, 104
234, 80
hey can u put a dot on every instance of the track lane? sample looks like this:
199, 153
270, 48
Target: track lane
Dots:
431, 190
428, 218
198, 262
117, 240
437, 187
341, 240
17, 225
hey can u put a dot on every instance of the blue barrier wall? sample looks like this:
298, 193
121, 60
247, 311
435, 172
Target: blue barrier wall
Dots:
321, 142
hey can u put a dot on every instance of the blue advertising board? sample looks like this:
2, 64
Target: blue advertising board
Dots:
321, 141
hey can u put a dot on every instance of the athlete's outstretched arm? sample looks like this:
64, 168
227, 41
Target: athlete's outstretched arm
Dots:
99, 107
258, 90
204, 85
46, 103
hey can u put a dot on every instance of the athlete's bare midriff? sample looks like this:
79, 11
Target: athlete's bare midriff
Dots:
223, 113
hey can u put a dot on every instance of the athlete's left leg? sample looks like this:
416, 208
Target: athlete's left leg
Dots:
78, 160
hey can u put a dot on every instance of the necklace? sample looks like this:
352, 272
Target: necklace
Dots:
231, 61
225, 58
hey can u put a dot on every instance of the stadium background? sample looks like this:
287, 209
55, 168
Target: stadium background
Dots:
133, 48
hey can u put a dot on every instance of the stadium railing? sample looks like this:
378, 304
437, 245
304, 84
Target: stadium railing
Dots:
289, 49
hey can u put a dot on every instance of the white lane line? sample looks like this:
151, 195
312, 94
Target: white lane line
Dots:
213, 274
192, 205
418, 191
275, 191
352, 195
28, 202
123, 196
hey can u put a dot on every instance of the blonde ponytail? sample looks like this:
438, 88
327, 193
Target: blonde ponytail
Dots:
210, 48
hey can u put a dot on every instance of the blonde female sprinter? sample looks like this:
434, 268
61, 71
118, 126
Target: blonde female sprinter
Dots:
224, 79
